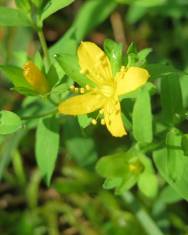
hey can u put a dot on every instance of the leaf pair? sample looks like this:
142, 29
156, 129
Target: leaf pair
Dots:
21, 16
123, 170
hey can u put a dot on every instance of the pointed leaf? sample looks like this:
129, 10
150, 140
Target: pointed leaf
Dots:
9, 122
142, 118
47, 144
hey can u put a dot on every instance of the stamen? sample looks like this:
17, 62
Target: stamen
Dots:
76, 90
122, 68
94, 121
87, 87
84, 71
82, 90
101, 111
72, 87
102, 121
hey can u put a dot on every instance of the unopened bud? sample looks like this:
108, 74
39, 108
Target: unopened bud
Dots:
35, 78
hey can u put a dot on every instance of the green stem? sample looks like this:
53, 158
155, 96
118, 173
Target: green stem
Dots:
44, 46
141, 214
153, 146
40, 116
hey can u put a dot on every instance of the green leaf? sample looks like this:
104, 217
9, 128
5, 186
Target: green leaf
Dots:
7, 148
9, 122
160, 70
15, 75
111, 183
142, 118
114, 52
13, 17
184, 85
69, 63
168, 195
89, 16
84, 121
171, 98
121, 170
53, 6
149, 3
23, 4
148, 184
47, 144
74, 139
172, 164
127, 183
184, 144
174, 153
142, 56
105, 166
38, 3
132, 49
135, 13
52, 76
25, 91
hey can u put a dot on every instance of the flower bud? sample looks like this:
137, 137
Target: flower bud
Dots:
35, 78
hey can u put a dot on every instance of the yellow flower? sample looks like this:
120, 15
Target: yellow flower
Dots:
35, 78
104, 96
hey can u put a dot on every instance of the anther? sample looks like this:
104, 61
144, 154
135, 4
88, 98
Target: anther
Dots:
87, 87
82, 90
122, 68
72, 87
84, 71
76, 89
101, 111
94, 121
102, 121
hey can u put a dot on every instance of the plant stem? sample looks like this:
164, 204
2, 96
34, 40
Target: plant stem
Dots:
44, 46
40, 116
141, 214
118, 29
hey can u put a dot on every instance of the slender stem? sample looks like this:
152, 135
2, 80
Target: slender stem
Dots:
44, 46
40, 116
141, 214
118, 29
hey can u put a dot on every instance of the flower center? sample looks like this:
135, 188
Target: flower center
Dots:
107, 90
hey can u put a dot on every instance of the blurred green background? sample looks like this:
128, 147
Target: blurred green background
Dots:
75, 203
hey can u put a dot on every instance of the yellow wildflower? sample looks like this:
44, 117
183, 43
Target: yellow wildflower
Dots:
104, 96
35, 78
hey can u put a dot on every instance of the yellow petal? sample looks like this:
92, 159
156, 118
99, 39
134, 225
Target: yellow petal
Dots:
82, 104
94, 63
35, 78
131, 79
112, 117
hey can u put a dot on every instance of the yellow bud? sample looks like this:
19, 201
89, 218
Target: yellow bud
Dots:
94, 121
35, 78
136, 167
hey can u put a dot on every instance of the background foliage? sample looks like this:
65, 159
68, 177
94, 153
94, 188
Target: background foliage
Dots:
61, 175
